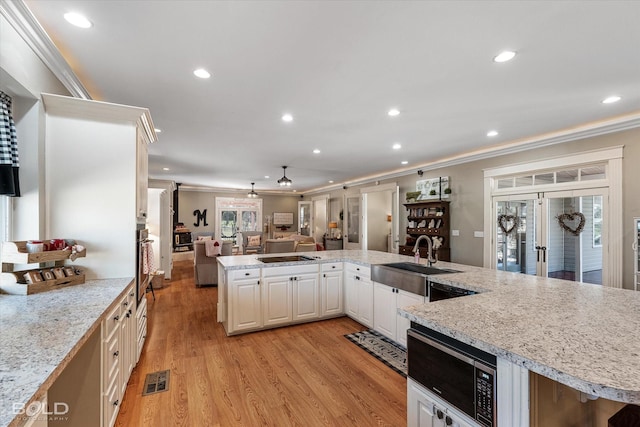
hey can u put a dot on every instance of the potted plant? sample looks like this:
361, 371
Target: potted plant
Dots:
447, 190
432, 192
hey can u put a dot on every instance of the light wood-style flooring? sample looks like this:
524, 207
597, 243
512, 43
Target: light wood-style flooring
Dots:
305, 375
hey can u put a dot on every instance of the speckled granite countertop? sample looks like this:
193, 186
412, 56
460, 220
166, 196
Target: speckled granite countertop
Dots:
365, 258
581, 335
41, 333
585, 336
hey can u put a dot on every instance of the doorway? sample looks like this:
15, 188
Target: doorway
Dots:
237, 215
555, 234
557, 218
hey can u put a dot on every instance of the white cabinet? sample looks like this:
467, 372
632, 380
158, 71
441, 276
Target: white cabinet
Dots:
306, 297
386, 302
331, 290
359, 294
277, 300
426, 410
119, 354
142, 174
290, 294
245, 301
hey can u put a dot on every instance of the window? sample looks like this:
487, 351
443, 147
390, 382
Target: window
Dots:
597, 221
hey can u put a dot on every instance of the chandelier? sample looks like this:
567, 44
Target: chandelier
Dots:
284, 181
252, 194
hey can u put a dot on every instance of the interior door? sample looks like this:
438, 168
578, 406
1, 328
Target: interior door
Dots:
559, 234
352, 222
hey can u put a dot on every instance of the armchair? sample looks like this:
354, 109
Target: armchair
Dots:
252, 242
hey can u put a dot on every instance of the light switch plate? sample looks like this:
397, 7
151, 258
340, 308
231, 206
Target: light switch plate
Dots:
455, 232
478, 234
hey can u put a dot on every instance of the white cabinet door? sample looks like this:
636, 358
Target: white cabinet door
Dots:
245, 305
277, 300
420, 409
404, 299
331, 294
365, 301
306, 297
351, 295
384, 310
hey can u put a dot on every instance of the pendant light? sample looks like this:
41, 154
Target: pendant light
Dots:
252, 194
284, 181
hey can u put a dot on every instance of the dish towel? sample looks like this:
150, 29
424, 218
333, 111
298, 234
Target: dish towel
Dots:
212, 248
148, 263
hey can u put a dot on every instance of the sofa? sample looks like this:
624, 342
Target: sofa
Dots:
292, 243
205, 268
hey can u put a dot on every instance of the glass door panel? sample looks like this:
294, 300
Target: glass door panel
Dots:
515, 236
574, 243
229, 225
250, 220
352, 223
304, 210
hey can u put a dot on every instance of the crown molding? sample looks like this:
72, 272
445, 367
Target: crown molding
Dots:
588, 130
28, 27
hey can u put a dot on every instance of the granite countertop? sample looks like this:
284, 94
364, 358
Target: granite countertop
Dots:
365, 258
581, 335
41, 333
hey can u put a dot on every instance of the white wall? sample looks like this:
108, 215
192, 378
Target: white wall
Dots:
378, 207
153, 222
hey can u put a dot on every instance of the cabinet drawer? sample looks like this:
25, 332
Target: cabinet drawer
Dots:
112, 322
244, 274
359, 270
331, 266
290, 269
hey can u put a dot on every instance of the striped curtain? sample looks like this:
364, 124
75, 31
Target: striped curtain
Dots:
9, 183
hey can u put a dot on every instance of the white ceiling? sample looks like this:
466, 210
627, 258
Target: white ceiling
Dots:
338, 66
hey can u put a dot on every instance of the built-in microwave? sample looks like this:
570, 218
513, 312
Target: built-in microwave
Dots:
461, 375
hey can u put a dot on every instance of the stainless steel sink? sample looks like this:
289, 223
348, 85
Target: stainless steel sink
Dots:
407, 276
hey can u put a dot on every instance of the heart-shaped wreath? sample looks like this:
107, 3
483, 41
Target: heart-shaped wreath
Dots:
507, 223
571, 217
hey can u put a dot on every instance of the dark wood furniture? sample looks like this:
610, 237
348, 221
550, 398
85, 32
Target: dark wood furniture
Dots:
430, 218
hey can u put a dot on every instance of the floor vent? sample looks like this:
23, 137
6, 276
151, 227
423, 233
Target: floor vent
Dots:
156, 382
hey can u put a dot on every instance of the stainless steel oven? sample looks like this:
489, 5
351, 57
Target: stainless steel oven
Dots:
142, 274
462, 375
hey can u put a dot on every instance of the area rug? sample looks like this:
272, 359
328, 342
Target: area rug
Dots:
382, 348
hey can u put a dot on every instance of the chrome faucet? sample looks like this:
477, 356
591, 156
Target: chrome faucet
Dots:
430, 259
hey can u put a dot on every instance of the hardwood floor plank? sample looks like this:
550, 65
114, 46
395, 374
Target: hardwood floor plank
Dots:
303, 375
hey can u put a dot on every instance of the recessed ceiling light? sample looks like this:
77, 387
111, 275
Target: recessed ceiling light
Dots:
396, 146
287, 118
492, 133
78, 20
330, 181
158, 130
404, 162
504, 56
611, 99
295, 191
316, 151
166, 169
266, 177
394, 112
202, 73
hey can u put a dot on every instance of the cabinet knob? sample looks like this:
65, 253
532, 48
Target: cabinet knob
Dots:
116, 318
116, 403
246, 274
448, 421
132, 294
125, 303
333, 266
439, 414
116, 353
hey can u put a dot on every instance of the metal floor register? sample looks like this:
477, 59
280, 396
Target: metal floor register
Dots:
156, 382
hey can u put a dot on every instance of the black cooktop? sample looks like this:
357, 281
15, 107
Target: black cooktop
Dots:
286, 258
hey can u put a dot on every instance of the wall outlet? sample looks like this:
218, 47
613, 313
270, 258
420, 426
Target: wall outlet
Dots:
455, 232
478, 234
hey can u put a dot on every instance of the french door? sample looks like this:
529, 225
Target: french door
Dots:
237, 215
558, 234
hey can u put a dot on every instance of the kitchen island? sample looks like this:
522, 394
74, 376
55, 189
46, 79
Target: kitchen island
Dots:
40, 337
581, 335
